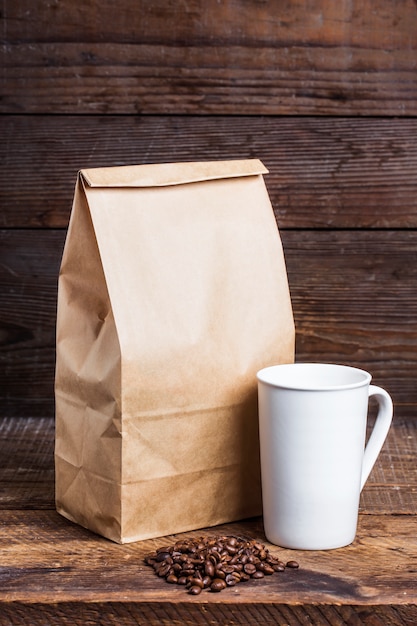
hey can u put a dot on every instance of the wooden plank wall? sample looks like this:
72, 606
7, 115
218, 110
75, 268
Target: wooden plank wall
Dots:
324, 92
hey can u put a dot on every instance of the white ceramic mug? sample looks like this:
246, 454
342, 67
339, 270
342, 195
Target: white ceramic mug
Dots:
312, 429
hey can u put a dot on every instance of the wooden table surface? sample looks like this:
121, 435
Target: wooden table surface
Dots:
54, 572
324, 94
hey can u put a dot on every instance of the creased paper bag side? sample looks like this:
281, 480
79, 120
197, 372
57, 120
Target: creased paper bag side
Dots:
87, 385
197, 280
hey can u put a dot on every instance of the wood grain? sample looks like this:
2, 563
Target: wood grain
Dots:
326, 95
67, 563
392, 484
231, 57
187, 614
29, 269
353, 295
27, 475
53, 571
27, 468
324, 172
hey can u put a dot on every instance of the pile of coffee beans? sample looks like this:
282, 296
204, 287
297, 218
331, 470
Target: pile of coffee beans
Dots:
214, 563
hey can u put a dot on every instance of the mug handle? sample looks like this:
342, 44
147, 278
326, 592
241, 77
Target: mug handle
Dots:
379, 432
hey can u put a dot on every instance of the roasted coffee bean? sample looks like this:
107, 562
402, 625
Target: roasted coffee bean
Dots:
249, 568
188, 573
163, 570
207, 580
219, 573
218, 584
214, 563
182, 547
171, 578
161, 556
187, 567
232, 579
279, 567
267, 569
209, 568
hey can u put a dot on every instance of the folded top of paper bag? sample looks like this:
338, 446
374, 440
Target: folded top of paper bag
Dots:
162, 175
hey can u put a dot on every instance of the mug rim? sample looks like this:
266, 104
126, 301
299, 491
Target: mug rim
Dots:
278, 376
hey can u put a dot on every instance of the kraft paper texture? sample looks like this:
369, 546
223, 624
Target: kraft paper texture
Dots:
172, 294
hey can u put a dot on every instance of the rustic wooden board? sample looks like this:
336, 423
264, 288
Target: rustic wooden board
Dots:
29, 269
203, 80
173, 614
353, 295
392, 484
53, 571
27, 468
27, 474
48, 560
238, 57
324, 172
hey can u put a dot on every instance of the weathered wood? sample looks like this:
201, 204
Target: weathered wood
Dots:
53, 571
324, 172
29, 265
349, 291
353, 290
27, 463
392, 484
189, 614
27, 468
46, 559
346, 287
238, 57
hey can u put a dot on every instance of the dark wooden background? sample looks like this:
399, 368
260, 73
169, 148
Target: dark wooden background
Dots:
323, 92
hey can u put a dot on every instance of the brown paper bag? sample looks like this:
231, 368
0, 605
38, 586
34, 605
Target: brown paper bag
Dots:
172, 294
